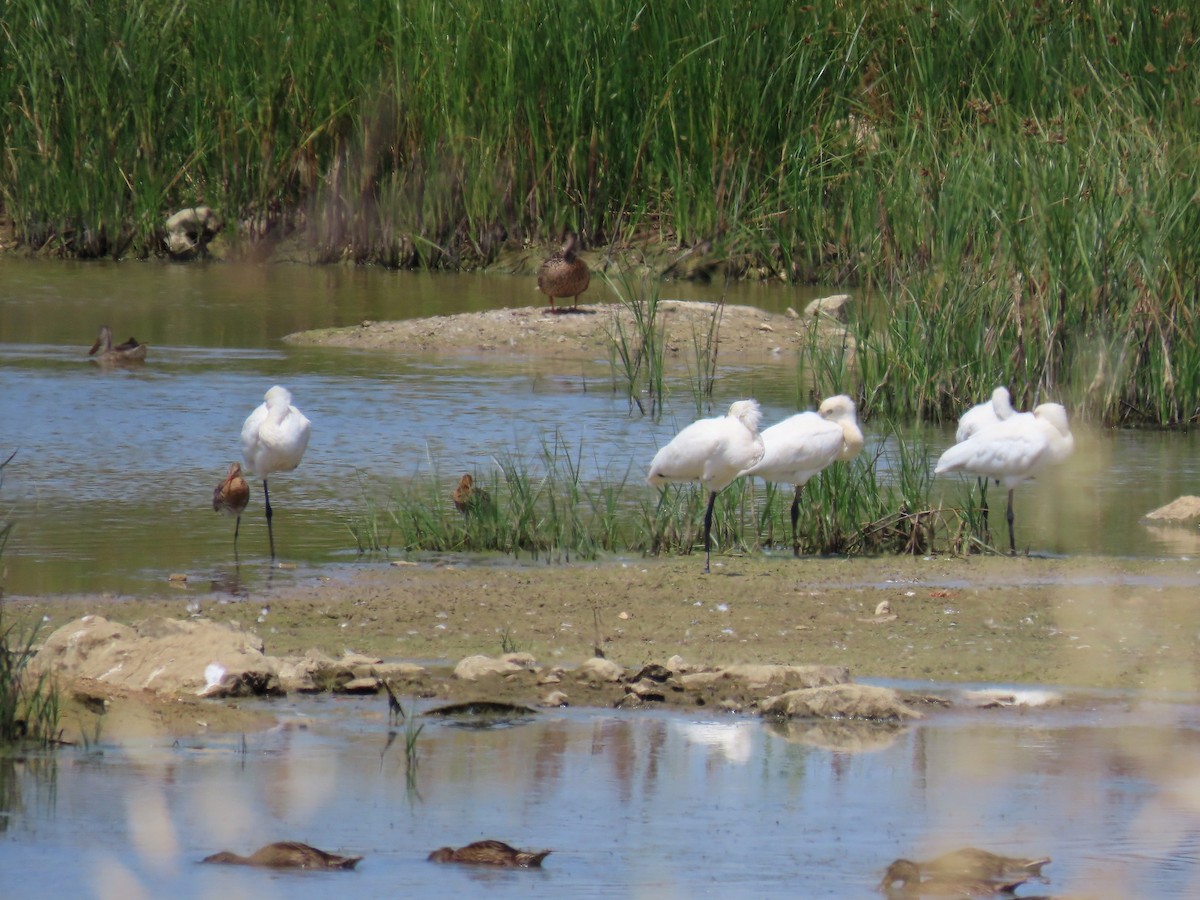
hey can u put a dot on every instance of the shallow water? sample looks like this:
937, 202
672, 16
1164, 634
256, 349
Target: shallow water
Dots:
111, 490
114, 471
645, 804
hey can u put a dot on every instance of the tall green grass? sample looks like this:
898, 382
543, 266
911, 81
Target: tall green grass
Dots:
29, 701
543, 508
1012, 185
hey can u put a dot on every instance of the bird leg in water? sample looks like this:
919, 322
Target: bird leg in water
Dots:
708, 514
270, 530
795, 519
983, 506
1012, 541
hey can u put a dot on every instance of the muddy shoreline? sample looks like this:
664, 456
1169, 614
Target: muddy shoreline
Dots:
1123, 625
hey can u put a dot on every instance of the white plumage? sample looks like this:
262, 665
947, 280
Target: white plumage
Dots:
1013, 451
274, 438
713, 452
799, 447
984, 415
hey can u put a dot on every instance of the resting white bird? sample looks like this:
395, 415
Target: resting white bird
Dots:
985, 414
799, 447
714, 452
1013, 451
274, 438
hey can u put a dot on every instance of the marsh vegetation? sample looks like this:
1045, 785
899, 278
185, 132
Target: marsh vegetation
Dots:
1015, 187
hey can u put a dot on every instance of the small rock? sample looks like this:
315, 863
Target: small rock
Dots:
472, 668
834, 307
554, 699
367, 685
840, 701
599, 671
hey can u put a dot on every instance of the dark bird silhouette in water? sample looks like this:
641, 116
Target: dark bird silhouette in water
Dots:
286, 855
106, 354
490, 853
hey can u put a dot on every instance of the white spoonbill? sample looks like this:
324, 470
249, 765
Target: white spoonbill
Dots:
978, 417
714, 452
1013, 451
274, 437
985, 414
801, 446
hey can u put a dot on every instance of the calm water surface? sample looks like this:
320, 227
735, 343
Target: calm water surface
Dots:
647, 804
112, 482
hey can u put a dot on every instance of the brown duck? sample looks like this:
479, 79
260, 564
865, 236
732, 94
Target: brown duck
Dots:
231, 496
564, 274
286, 855
971, 862
490, 853
104, 351
903, 880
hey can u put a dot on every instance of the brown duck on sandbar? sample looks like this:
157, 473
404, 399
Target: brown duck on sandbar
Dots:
564, 274
490, 853
104, 351
231, 496
286, 855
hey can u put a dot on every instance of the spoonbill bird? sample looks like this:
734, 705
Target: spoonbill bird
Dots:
978, 417
274, 437
1013, 451
564, 274
801, 446
714, 452
983, 415
132, 351
231, 496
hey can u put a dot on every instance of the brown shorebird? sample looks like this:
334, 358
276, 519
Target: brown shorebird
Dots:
286, 855
564, 274
469, 499
490, 853
231, 496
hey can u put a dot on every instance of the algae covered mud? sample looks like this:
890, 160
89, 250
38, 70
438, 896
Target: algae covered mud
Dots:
1088, 622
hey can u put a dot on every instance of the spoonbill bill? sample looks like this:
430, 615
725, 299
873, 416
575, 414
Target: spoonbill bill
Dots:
274, 438
801, 446
564, 274
1013, 451
231, 496
714, 452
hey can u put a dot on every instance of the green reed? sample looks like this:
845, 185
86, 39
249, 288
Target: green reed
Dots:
29, 700
543, 507
636, 350
1012, 187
